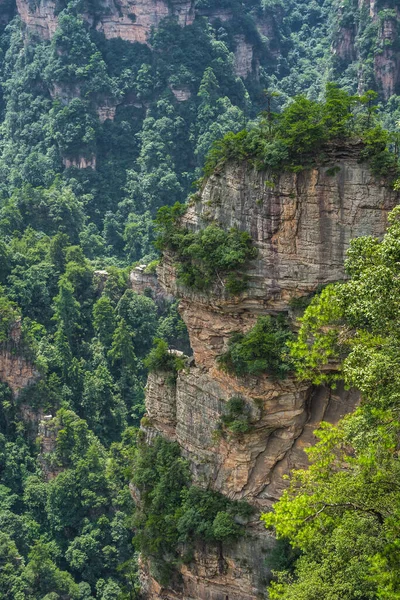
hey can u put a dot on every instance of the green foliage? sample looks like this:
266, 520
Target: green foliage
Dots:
8, 316
173, 330
60, 221
207, 257
236, 418
140, 316
302, 133
341, 511
160, 358
263, 349
174, 514
317, 342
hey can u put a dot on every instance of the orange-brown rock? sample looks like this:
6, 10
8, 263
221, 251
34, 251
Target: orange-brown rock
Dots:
16, 370
302, 225
219, 573
130, 20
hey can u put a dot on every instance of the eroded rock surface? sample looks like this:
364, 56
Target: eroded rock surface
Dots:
130, 20
16, 370
302, 225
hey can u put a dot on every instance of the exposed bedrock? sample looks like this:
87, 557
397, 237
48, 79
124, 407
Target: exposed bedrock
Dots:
131, 20
302, 225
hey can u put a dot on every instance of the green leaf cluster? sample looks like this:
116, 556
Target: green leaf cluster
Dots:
211, 256
236, 418
174, 514
342, 513
263, 349
300, 135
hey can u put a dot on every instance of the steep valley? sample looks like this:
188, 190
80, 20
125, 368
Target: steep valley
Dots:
199, 314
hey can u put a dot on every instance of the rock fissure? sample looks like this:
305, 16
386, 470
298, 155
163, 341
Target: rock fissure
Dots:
301, 228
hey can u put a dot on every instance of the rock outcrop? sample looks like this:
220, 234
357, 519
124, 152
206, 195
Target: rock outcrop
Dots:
133, 21
302, 225
384, 19
130, 20
387, 59
16, 370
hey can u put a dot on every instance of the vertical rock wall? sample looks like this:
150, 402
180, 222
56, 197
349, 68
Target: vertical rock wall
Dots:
130, 20
16, 370
302, 225
383, 35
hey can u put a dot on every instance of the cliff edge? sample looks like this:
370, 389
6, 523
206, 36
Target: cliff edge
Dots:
301, 224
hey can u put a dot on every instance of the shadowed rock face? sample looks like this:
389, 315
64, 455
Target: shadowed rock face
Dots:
302, 225
129, 20
17, 371
385, 16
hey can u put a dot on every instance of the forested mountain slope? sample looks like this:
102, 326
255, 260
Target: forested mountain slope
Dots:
108, 110
127, 124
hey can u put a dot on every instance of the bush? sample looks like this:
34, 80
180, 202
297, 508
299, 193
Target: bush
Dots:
262, 350
296, 137
236, 418
173, 513
207, 256
161, 359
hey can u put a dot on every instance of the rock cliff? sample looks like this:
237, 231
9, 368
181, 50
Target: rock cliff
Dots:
16, 370
301, 224
377, 27
365, 32
130, 20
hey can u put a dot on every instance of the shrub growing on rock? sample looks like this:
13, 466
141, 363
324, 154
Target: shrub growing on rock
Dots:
263, 349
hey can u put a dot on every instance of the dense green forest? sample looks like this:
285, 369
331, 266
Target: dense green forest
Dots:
67, 517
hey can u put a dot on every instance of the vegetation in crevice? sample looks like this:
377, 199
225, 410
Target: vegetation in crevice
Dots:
211, 256
173, 515
162, 359
342, 510
263, 349
236, 419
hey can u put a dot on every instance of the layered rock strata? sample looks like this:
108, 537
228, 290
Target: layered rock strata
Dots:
130, 20
16, 370
302, 225
385, 21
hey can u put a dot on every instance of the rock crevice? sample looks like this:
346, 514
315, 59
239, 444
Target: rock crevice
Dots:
302, 225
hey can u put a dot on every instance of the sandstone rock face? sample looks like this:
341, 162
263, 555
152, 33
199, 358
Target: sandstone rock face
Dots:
130, 20
387, 61
47, 435
218, 575
40, 18
386, 18
182, 93
244, 55
283, 417
16, 370
80, 162
143, 282
301, 224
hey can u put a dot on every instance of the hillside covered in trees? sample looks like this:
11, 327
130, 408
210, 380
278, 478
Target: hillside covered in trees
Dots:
97, 134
